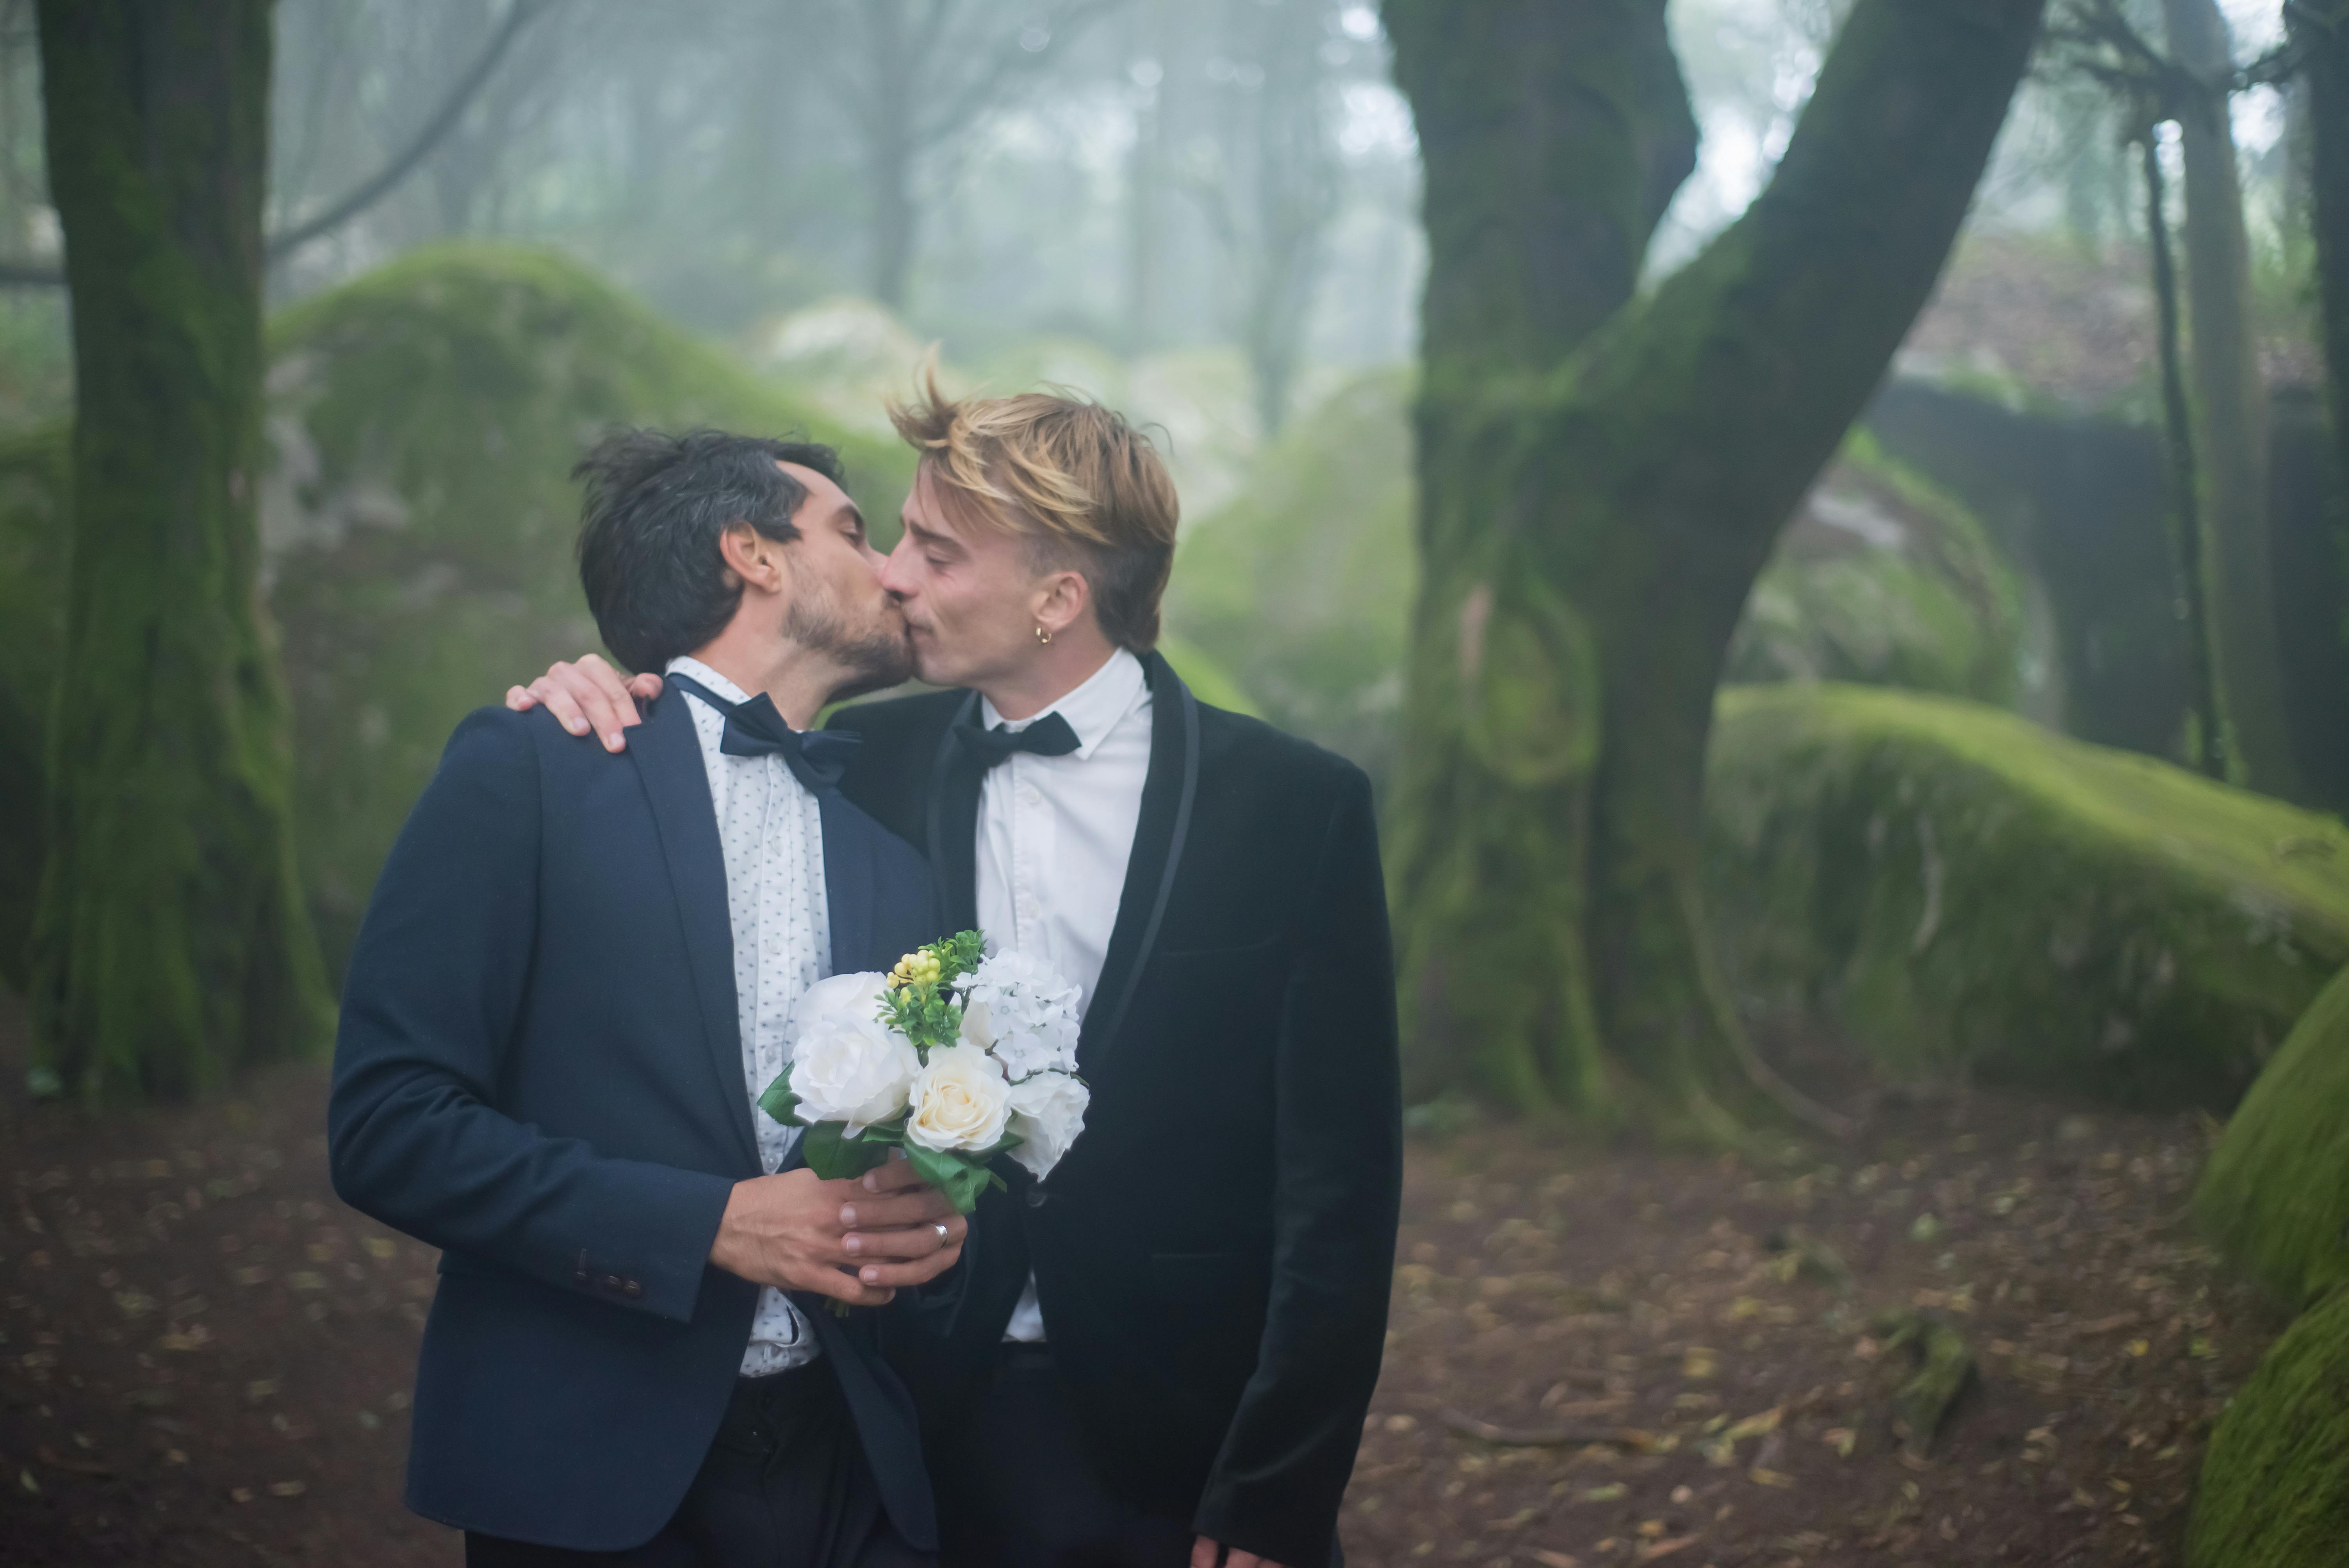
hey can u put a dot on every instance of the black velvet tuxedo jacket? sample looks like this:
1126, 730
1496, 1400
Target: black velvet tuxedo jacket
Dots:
540, 1071
1215, 1253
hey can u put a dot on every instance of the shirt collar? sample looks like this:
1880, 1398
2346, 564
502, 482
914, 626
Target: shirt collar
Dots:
1093, 708
686, 665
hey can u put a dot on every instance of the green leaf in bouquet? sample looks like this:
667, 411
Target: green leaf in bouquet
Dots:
779, 1101
958, 954
953, 1174
835, 1157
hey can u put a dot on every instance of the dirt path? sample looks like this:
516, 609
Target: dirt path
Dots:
205, 1358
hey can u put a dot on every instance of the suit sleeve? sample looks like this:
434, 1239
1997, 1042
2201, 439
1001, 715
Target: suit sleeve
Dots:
1282, 1472
437, 989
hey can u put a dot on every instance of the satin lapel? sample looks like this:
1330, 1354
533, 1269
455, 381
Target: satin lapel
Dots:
952, 831
668, 756
1168, 793
848, 888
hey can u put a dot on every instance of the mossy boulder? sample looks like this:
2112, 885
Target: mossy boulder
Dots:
1965, 893
419, 516
2274, 1490
2276, 1192
1881, 578
1301, 584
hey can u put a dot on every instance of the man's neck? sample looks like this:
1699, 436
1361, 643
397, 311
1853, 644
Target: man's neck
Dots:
799, 681
1055, 670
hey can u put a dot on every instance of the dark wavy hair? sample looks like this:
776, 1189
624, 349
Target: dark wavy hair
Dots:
650, 525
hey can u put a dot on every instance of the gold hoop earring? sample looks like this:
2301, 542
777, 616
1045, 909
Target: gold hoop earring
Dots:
1043, 637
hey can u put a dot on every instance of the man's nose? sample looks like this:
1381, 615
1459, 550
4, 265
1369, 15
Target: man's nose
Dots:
894, 577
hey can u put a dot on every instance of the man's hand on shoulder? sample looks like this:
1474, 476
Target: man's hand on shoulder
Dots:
589, 695
857, 1240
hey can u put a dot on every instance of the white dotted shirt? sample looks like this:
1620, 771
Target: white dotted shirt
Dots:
772, 832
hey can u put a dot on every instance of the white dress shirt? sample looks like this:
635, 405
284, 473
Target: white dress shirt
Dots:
1054, 835
772, 832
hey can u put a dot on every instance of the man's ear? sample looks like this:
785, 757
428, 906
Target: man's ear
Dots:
754, 559
1061, 600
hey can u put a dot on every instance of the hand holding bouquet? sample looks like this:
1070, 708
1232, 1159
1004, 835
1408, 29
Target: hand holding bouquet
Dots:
952, 1057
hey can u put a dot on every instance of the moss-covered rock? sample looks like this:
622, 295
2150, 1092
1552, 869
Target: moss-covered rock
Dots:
1301, 584
418, 520
2274, 1491
2276, 1192
1881, 578
1967, 894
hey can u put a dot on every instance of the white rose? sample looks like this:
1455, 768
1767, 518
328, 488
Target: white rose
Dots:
847, 1065
1047, 1112
960, 1101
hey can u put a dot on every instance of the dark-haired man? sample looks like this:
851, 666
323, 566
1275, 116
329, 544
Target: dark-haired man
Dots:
572, 981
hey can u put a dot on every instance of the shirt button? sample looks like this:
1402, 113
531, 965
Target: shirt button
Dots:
1030, 795
1036, 1197
631, 1289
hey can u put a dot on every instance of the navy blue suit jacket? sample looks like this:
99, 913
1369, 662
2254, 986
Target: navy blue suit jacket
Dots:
540, 1071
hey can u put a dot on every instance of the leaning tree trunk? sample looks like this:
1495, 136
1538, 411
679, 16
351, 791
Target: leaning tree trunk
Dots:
1590, 532
2229, 414
2321, 30
172, 943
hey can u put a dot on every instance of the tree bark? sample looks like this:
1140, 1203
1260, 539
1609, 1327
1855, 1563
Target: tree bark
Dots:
1590, 532
2321, 30
2229, 415
2207, 746
171, 943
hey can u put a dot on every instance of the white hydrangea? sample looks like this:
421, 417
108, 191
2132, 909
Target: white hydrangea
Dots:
1023, 1013
1047, 1112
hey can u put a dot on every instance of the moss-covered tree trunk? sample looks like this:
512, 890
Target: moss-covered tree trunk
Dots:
170, 944
1590, 530
2321, 30
2229, 415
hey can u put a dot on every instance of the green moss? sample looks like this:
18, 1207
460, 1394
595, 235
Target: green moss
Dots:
2276, 1192
1884, 580
2274, 1491
421, 515
1966, 893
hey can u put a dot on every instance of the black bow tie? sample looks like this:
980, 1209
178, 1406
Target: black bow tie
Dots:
817, 758
1048, 736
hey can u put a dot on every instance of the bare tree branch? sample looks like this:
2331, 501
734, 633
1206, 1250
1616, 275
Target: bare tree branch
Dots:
419, 147
461, 95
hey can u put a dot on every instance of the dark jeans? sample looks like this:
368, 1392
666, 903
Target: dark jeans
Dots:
1017, 1489
785, 1485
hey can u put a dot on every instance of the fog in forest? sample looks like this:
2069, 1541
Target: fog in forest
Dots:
1823, 525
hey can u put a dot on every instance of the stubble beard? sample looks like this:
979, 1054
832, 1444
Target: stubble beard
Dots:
877, 657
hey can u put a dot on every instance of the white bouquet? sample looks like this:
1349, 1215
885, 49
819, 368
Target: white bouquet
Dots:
952, 1057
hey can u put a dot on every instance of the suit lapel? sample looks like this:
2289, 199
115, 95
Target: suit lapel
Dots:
668, 756
1169, 794
953, 826
848, 885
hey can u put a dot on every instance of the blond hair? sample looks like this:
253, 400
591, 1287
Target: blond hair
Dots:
1087, 490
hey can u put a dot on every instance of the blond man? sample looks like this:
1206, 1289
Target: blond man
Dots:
1190, 1390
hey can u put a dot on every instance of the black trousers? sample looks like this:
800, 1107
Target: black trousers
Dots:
785, 1485
1017, 1487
